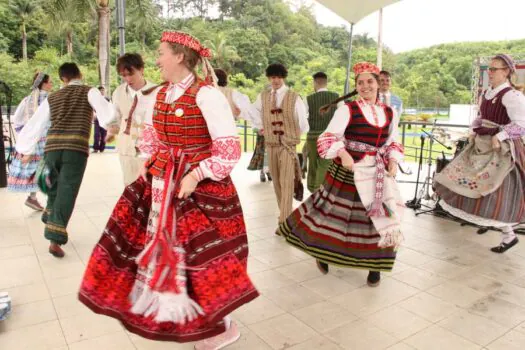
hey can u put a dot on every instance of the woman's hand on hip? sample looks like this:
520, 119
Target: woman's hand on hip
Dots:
187, 186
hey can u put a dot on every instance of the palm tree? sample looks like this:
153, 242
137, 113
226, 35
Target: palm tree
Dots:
23, 9
67, 12
143, 16
223, 54
64, 15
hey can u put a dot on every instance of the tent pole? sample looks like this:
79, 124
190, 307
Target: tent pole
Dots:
349, 67
380, 41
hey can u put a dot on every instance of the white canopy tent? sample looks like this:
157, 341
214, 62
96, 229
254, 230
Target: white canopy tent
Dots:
353, 11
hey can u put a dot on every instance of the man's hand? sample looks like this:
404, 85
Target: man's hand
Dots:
113, 129
110, 137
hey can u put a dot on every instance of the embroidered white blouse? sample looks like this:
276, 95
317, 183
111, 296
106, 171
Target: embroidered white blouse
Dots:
243, 103
332, 140
226, 147
514, 102
19, 118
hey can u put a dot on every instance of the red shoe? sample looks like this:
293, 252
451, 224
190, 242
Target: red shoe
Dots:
33, 204
56, 251
220, 341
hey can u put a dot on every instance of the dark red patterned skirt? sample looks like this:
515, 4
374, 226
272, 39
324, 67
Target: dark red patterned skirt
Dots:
216, 257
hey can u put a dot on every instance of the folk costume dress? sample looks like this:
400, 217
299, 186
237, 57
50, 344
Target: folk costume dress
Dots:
353, 220
486, 186
22, 175
159, 253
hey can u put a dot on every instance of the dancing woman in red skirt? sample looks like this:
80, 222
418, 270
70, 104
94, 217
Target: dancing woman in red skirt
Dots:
171, 263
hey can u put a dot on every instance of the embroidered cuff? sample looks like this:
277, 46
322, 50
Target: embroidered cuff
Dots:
198, 173
328, 145
396, 151
148, 142
225, 153
511, 131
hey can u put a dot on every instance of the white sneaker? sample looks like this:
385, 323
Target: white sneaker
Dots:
220, 341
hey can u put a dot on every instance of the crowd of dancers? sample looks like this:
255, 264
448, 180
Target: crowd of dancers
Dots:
171, 263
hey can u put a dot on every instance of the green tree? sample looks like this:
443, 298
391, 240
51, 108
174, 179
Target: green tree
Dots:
65, 17
252, 46
23, 10
144, 20
224, 55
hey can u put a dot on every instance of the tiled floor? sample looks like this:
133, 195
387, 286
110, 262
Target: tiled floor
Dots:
447, 290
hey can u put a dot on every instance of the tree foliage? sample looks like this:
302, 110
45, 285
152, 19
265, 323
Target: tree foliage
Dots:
244, 35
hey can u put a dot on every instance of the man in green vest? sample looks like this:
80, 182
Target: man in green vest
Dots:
317, 166
68, 114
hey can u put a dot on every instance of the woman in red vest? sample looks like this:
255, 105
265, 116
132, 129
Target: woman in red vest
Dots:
353, 220
485, 184
171, 264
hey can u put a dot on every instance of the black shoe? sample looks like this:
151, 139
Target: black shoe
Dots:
323, 267
503, 247
269, 176
262, 177
374, 278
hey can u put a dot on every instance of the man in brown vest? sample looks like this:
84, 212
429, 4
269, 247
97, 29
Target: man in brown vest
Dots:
282, 115
69, 113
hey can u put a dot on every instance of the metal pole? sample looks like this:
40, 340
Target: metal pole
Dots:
349, 67
7, 92
121, 25
245, 126
380, 41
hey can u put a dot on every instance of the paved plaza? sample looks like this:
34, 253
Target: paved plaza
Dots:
447, 291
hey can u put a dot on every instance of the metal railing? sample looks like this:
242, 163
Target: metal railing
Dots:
411, 150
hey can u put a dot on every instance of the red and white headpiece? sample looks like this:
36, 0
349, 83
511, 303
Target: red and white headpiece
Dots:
187, 40
365, 67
